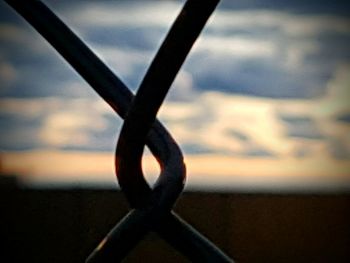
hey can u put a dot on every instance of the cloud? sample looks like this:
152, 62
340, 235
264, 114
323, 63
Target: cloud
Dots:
68, 128
182, 89
301, 127
14, 34
336, 100
271, 87
122, 13
276, 54
29, 67
213, 120
127, 37
236, 47
8, 74
344, 118
57, 123
81, 130
238, 125
318, 119
290, 23
208, 122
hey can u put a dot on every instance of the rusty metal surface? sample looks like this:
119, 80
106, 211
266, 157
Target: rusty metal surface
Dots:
151, 207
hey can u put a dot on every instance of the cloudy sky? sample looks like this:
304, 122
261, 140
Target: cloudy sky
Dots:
261, 101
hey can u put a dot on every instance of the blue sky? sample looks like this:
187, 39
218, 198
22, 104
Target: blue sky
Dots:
266, 82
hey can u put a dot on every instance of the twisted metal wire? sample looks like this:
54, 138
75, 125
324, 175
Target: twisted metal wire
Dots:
151, 207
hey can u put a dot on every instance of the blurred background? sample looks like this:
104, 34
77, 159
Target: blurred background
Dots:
260, 109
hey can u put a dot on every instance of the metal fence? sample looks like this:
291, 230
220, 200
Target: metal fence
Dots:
151, 208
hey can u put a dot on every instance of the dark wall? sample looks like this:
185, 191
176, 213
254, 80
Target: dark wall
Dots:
65, 225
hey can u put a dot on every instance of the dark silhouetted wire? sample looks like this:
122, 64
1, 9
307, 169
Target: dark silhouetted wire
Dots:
152, 206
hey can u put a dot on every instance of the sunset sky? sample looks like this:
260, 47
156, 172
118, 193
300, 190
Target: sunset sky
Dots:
262, 101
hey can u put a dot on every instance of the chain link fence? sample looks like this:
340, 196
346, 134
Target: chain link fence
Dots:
151, 208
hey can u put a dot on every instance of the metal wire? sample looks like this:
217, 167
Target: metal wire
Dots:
151, 207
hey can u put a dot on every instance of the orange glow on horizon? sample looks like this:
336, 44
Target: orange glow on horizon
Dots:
62, 166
